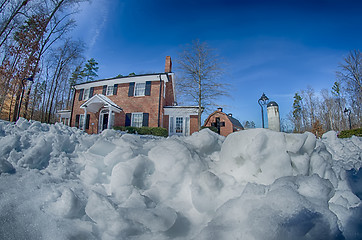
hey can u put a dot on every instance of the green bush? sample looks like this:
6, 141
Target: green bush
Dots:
214, 129
349, 133
155, 131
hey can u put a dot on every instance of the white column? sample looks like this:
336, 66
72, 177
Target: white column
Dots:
85, 118
109, 118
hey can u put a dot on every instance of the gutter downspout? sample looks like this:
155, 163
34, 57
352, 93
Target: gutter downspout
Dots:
159, 103
71, 113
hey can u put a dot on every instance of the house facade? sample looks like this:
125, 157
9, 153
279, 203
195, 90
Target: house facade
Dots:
146, 100
225, 123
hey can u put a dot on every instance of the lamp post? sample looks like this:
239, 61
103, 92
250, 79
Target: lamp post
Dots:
348, 112
30, 79
263, 100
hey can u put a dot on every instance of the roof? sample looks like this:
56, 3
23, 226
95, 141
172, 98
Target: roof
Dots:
272, 103
235, 122
99, 100
123, 77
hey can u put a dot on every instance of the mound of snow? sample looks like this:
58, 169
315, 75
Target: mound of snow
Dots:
57, 182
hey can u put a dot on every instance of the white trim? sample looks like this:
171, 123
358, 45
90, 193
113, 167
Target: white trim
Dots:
135, 79
95, 103
181, 110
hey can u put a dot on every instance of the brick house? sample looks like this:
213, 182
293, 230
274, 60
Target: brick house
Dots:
139, 100
225, 123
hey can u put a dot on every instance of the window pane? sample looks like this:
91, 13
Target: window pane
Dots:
179, 124
86, 94
140, 89
137, 119
110, 90
81, 121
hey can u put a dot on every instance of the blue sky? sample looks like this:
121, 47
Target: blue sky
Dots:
276, 47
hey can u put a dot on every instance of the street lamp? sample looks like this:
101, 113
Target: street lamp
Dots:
30, 79
263, 100
348, 111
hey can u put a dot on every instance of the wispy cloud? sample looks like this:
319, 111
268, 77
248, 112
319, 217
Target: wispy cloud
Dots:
91, 20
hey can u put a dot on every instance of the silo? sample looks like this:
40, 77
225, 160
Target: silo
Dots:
273, 116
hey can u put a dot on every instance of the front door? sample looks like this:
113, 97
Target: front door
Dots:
105, 121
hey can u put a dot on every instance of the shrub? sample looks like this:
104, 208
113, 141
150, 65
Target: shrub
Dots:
155, 131
214, 129
349, 133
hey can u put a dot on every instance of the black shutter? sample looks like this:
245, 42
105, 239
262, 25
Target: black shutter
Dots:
148, 88
104, 92
115, 89
87, 122
128, 119
145, 119
80, 97
131, 89
77, 121
91, 92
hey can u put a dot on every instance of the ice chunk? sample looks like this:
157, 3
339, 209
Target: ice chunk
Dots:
6, 167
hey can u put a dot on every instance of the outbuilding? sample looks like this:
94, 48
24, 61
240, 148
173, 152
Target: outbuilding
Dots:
225, 123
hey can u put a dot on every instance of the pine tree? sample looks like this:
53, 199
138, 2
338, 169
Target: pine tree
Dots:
90, 70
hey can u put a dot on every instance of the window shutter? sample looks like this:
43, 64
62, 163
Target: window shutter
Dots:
91, 91
87, 122
128, 119
171, 125
131, 89
187, 126
104, 91
115, 89
148, 88
145, 119
77, 121
80, 98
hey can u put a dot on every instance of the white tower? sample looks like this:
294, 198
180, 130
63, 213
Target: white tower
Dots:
273, 116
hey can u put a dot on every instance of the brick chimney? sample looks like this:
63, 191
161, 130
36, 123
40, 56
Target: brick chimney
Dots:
219, 109
168, 65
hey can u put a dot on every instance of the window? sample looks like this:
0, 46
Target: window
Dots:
81, 121
137, 119
140, 89
110, 90
86, 94
179, 125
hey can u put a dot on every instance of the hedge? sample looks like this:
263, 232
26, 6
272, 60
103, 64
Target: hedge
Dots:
349, 133
214, 129
155, 131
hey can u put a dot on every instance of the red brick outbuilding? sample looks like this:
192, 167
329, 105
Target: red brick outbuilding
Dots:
225, 123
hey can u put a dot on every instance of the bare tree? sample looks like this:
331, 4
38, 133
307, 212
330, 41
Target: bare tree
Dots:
200, 76
350, 75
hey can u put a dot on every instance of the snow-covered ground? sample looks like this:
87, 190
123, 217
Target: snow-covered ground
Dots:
57, 182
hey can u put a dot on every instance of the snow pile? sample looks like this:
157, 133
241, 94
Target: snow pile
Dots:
57, 182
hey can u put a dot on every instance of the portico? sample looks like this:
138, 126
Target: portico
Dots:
103, 107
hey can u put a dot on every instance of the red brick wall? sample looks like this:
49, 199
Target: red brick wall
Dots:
224, 131
146, 104
194, 124
169, 101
